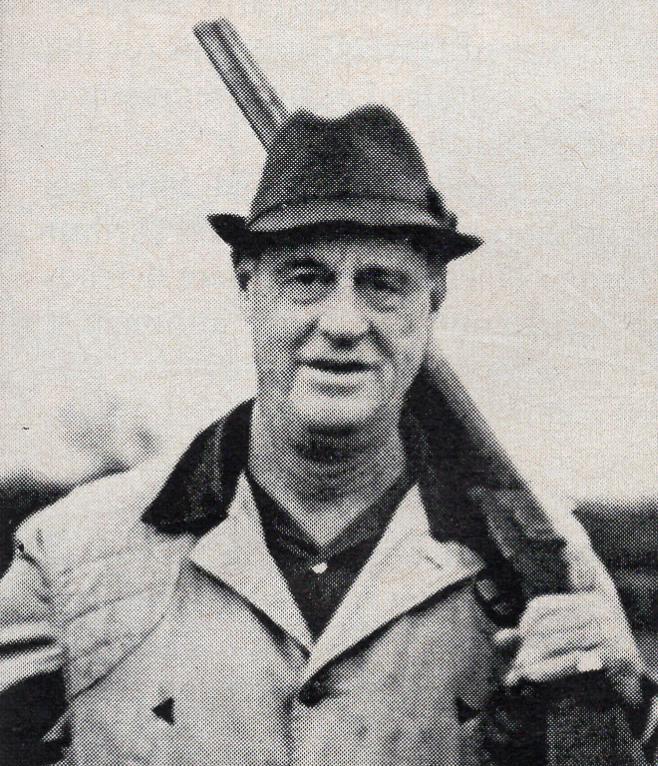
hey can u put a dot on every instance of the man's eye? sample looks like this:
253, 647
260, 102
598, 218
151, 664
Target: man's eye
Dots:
383, 283
307, 277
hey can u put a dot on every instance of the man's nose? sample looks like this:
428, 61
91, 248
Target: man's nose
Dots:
343, 318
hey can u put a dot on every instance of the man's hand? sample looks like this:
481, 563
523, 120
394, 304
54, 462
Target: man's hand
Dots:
562, 635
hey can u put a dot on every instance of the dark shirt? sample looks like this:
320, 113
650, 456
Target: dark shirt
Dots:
319, 576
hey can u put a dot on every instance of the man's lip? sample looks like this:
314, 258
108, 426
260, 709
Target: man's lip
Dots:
344, 366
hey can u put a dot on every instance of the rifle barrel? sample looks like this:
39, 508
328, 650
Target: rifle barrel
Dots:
244, 79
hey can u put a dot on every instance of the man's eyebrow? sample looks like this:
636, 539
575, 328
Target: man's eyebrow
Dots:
302, 262
379, 269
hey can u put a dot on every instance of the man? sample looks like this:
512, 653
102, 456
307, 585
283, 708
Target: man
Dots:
307, 586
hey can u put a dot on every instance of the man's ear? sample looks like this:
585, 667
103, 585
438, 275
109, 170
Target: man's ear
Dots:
244, 272
244, 269
439, 287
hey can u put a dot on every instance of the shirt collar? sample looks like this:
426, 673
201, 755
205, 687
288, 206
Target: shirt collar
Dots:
280, 526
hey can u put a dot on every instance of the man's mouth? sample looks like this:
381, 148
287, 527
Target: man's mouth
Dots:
338, 367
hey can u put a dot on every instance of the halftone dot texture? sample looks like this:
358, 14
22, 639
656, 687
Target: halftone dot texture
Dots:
384, 701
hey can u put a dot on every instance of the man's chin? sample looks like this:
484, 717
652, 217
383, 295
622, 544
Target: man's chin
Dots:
336, 413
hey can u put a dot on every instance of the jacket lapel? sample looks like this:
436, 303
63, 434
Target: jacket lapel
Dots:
235, 552
200, 489
407, 568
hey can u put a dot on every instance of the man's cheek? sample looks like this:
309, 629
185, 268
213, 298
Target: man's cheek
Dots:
410, 356
276, 339
406, 342
417, 321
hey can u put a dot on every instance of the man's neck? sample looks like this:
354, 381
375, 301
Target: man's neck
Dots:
324, 480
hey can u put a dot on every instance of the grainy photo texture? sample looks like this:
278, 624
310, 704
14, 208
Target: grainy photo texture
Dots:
326, 369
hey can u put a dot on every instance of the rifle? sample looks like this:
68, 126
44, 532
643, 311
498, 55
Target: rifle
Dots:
581, 730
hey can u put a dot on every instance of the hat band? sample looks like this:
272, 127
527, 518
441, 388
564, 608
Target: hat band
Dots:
370, 211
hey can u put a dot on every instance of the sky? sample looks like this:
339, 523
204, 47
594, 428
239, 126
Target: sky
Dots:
536, 121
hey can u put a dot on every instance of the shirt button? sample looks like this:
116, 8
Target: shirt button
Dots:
320, 567
313, 692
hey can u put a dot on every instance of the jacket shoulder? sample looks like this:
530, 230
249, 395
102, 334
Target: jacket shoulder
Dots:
95, 520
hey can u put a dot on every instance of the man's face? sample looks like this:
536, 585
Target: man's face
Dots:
340, 327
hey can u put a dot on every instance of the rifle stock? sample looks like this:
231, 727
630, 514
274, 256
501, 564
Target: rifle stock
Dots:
579, 732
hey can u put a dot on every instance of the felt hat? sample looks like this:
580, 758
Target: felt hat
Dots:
360, 170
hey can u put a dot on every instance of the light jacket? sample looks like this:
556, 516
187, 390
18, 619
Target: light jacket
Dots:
181, 644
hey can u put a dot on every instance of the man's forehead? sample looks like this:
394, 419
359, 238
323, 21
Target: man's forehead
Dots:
346, 249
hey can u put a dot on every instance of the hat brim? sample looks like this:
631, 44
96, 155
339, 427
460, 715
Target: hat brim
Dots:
438, 237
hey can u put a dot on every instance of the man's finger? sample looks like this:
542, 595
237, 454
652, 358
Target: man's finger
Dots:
555, 668
572, 619
29, 633
538, 650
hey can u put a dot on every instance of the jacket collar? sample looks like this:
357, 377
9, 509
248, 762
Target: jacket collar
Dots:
199, 491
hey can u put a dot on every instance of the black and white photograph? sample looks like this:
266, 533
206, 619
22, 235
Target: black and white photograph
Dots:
328, 346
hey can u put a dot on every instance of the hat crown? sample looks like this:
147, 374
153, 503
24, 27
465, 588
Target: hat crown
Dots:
366, 154
363, 170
